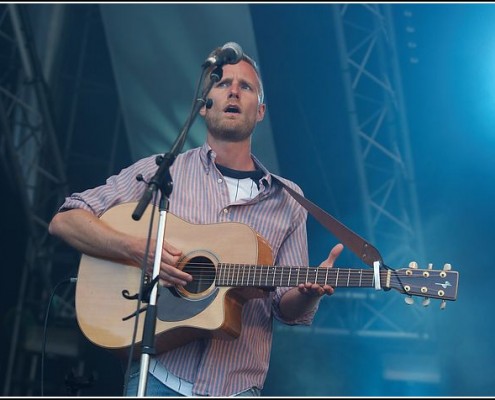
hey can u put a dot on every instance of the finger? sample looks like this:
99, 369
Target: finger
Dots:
174, 276
170, 254
169, 259
310, 289
169, 248
176, 272
333, 255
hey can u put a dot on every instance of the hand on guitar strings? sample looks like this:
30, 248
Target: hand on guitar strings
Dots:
314, 289
170, 274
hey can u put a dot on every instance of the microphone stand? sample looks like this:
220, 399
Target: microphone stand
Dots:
162, 180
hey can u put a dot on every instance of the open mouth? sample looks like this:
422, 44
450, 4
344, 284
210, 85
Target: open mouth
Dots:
232, 109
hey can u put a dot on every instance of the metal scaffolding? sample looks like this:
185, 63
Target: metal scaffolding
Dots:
380, 323
30, 150
380, 137
38, 159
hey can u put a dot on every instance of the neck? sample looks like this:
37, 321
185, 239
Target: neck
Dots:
233, 155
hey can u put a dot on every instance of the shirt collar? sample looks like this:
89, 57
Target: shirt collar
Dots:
207, 156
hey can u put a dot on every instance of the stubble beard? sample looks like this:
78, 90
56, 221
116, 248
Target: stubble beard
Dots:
230, 131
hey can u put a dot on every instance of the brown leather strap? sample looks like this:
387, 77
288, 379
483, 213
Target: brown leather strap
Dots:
365, 251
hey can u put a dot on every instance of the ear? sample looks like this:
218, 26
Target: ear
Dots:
261, 112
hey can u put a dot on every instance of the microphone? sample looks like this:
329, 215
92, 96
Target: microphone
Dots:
230, 53
209, 103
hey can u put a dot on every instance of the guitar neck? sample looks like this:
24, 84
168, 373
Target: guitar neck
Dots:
284, 276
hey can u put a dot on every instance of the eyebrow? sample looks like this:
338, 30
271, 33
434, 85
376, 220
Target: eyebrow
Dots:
242, 81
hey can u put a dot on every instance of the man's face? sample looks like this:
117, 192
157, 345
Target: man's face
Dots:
236, 109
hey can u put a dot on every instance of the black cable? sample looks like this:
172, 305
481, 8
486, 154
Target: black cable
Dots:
69, 280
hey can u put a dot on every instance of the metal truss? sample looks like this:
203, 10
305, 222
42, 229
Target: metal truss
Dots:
378, 124
38, 159
31, 154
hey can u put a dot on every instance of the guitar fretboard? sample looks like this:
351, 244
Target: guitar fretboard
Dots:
269, 276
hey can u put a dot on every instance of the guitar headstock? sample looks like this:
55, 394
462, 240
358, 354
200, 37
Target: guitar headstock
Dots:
427, 283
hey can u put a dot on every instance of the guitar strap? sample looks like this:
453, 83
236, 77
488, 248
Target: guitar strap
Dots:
364, 250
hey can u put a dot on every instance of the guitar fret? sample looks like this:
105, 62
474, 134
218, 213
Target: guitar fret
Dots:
370, 279
314, 272
267, 275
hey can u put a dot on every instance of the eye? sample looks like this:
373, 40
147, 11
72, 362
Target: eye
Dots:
245, 86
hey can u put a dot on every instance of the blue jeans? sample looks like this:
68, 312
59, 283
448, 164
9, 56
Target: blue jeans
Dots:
155, 388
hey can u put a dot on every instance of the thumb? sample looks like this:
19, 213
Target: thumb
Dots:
332, 256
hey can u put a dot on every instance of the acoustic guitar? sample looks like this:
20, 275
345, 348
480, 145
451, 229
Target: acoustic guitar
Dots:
230, 264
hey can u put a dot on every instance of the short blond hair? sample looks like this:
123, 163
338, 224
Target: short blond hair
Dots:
253, 64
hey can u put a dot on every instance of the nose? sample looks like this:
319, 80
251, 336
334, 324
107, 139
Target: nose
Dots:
234, 90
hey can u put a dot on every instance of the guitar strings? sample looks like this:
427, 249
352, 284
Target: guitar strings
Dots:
229, 274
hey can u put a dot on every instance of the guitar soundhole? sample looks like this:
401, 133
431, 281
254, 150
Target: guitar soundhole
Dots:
203, 272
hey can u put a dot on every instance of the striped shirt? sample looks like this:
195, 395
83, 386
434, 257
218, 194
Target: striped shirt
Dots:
200, 196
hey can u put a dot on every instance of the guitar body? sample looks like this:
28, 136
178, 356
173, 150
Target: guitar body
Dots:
209, 311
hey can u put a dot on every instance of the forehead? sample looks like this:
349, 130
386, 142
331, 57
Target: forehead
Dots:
240, 71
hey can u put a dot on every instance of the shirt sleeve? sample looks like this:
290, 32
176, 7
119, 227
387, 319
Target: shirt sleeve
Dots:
294, 252
120, 188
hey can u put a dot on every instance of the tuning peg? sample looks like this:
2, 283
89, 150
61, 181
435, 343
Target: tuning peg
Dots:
430, 266
443, 305
409, 300
426, 302
447, 267
413, 265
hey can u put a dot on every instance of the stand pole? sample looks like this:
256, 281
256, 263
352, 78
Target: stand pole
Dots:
162, 180
150, 319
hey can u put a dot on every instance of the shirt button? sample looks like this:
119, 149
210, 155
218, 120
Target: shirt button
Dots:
220, 180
